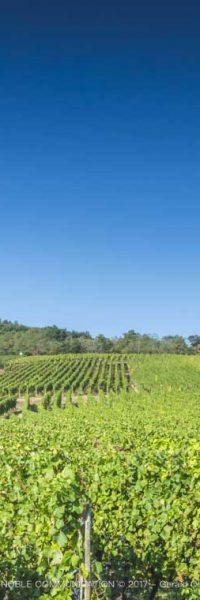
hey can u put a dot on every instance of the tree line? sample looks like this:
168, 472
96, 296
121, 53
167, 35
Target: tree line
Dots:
16, 339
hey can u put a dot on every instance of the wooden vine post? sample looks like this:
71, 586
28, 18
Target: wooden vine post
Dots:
87, 552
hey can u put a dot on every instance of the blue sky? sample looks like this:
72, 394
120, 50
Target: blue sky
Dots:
99, 161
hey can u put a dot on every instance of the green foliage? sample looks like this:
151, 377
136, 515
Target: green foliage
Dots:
16, 339
133, 457
26, 402
46, 400
40, 507
165, 372
6, 403
53, 374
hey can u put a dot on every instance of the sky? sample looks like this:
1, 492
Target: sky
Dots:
99, 165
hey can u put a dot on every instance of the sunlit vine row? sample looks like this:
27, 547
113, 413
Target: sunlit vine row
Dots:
85, 373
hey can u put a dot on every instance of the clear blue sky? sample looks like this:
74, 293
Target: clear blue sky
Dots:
99, 160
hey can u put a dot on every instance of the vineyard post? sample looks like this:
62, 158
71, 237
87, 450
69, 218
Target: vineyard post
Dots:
80, 577
87, 552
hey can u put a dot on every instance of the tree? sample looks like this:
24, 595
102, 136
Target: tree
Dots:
194, 341
174, 344
103, 344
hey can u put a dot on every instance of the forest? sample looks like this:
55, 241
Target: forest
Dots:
17, 339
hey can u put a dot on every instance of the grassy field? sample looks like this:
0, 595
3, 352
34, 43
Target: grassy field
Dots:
126, 448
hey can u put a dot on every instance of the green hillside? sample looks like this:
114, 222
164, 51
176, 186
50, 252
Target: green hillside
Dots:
120, 436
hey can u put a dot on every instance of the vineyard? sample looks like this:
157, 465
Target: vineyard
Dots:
81, 374
93, 373
119, 437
